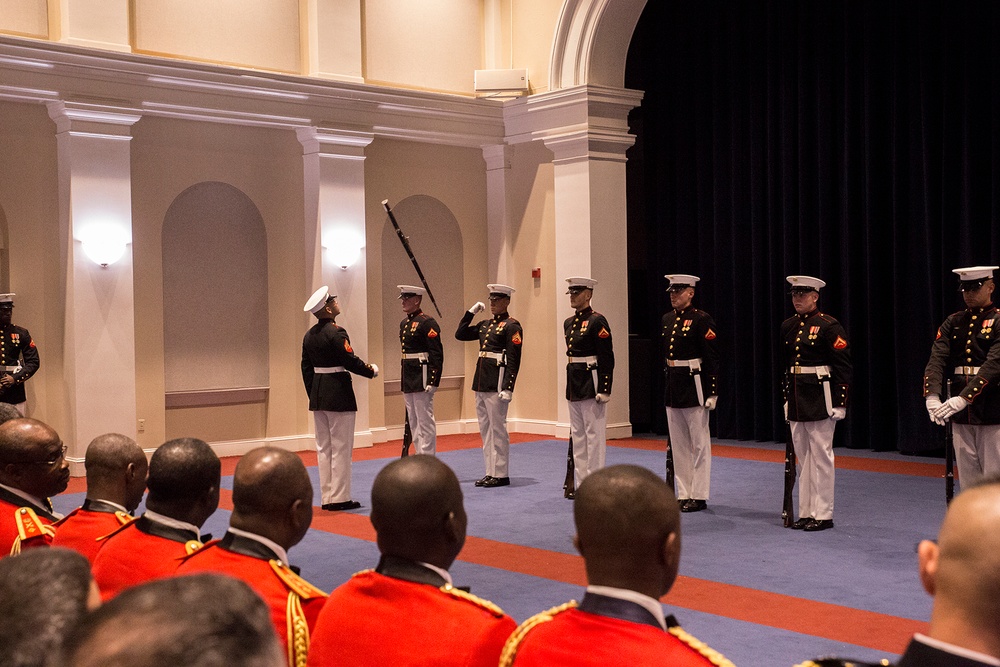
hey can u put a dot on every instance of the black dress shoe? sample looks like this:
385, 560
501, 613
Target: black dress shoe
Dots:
482, 482
570, 494
681, 502
694, 506
819, 524
802, 523
346, 505
496, 481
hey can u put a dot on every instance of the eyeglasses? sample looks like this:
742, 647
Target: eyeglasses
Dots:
56, 458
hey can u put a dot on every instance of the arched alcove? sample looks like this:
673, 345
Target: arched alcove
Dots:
436, 240
215, 315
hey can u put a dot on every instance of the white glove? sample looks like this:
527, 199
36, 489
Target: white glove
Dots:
838, 414
477, 307
430, 389
375, 368
505, 396
603, 398
710, 402
784, 408
933, 403
953, 405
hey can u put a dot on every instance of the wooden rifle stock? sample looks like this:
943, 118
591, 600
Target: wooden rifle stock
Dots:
786, 506
569, 484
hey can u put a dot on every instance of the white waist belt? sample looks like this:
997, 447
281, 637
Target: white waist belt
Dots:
818, 371
422, 356
330, 369
581, 360
967, 370
10, 369
693, 364
491, 355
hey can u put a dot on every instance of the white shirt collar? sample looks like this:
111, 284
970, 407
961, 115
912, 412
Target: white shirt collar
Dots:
956, 650
273, 546
172, 523
651, 605
444, 573
37, 502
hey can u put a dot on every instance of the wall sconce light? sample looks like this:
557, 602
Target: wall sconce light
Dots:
344, 246
104, 242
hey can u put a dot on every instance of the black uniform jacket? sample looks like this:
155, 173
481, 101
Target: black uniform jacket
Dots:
501, 335
966, 339
814, 339
419, 332
326, 345
588, 334
689, 334
17, 349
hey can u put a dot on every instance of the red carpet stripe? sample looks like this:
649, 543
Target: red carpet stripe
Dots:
853, 626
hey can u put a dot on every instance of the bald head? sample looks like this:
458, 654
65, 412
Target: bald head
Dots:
116, 470
628, 529
272, 495
32, 458
183, 482
962, 571
417, 511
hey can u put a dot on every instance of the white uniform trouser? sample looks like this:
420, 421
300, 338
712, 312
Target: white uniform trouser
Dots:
420, 410
588, 421
813, 443
334, 444
691, 444
977, 452
20, 407
492, 414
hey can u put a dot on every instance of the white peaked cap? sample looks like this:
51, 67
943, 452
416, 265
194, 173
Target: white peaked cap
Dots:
806, 281
317, 300
578, 281
975, 272
506, 290
678, 279
405, 290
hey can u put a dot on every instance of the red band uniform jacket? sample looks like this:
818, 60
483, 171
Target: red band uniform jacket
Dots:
406, 614
689, 334
588, 334
84, 529
968, 338
810, 340
294, 602
420, 333
23, 524
328, 345
501, 334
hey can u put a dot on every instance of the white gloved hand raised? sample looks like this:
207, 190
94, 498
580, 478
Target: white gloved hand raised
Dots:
375, 368
838, 414
603, 398
933, 403
710, 402
505, 396
953, 405
430, 389
477, 307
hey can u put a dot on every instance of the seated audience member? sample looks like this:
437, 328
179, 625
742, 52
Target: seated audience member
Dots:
8, 412
204, 620
32, 468
961, 571
183, 483
43, 594
406, 611
272, 510
628, 532
116, 479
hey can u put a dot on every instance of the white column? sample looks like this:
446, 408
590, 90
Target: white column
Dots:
498, 242
95, 198
334, 177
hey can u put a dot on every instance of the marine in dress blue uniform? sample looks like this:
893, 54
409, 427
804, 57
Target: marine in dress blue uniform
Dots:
590, 365
966, 351
420, 367
691, 367
327, 363
817, 369
497, 365
18, 356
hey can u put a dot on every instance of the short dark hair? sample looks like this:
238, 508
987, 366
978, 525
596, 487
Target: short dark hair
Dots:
182, 470
43, 595
201, 620
8, 412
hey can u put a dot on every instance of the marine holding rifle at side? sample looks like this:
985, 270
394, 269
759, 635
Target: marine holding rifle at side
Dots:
421, 364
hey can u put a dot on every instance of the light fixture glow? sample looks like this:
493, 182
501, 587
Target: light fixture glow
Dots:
104, 242
344, 247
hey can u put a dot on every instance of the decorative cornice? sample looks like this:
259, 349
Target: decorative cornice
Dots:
92, 119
